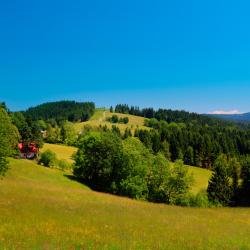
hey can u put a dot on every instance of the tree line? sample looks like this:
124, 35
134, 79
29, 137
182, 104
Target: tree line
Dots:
61, 111
196, 139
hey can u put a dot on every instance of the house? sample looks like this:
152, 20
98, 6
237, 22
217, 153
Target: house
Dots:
29, 151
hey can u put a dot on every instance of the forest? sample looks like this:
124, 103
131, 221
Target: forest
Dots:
62, 110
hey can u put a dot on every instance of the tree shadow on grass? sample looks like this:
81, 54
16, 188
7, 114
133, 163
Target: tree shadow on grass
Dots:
76, 179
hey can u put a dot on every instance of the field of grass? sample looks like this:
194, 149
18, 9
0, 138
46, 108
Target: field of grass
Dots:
100, 116
62, 151
40, 208
201, 177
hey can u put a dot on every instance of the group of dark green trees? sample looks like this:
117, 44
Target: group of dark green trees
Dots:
196, 139
230, 182
116, 119
9, 137
126, 167
62, 111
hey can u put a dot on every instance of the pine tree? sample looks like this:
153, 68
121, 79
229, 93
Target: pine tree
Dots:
219, 188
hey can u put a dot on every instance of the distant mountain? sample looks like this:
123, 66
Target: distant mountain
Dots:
235, 117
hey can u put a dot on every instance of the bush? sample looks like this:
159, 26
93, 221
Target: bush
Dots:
48, 158
63, 164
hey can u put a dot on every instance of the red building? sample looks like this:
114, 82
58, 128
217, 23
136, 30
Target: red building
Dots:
28, 151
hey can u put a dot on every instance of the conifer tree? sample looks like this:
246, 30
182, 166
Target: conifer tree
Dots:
219, 188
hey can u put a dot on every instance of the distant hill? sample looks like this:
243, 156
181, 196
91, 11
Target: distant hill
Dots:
235, 117
62, 110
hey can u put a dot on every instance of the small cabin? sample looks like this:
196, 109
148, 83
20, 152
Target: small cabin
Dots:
29, 151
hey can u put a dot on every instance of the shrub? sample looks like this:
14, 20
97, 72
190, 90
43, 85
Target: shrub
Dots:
48, 158
63, 164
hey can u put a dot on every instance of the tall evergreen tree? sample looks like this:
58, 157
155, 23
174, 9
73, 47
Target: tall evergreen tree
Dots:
219, 188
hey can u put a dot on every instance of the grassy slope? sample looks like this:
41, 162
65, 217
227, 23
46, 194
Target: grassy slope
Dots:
99, 118
62, 151
40, 208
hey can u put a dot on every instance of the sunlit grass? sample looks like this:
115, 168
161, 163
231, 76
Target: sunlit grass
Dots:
62, 151
201, 178
40, 208
100, 116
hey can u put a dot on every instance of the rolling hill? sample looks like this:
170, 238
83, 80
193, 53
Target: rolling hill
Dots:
100, 116
236, 117
44, 208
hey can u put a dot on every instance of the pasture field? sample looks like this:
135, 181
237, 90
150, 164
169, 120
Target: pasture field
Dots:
42, 208
201, 178
100, 116
63, 152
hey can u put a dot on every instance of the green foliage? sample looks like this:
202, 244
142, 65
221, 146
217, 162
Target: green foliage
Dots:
197, 139
107, 163
9, 137
244, 192
158, 175
178, 183
48, 158
194, 200
219, 187
63, 164
135, 164
116, 119
68, 133
62, 110
98, 157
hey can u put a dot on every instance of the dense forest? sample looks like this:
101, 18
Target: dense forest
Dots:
194, 138
62, 110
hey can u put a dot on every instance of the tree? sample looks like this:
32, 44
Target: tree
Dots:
157, 177
9, 137
178, 183
235, 169
219, 188
47, 158
98, 159
127, 133
136, 162
111, 109
189, 156
68, 133
244, 192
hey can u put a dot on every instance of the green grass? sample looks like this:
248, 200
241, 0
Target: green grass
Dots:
40, 208
201, 177
62, 151
100, 116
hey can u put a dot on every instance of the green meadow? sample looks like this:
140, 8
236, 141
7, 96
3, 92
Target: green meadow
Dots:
42, 208
100, 118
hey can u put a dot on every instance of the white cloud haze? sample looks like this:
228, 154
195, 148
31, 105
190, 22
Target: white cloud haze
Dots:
223, 112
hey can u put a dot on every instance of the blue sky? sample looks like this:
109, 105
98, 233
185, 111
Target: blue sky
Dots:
192, 55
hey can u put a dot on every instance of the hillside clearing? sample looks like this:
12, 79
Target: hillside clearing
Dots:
43, 209
100, 116
62, 152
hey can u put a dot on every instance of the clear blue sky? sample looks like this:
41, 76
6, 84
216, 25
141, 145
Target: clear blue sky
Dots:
192, 55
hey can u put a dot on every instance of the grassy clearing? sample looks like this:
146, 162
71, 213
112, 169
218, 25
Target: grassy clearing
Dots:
100, 116
201, 177
41, 208
62, 151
